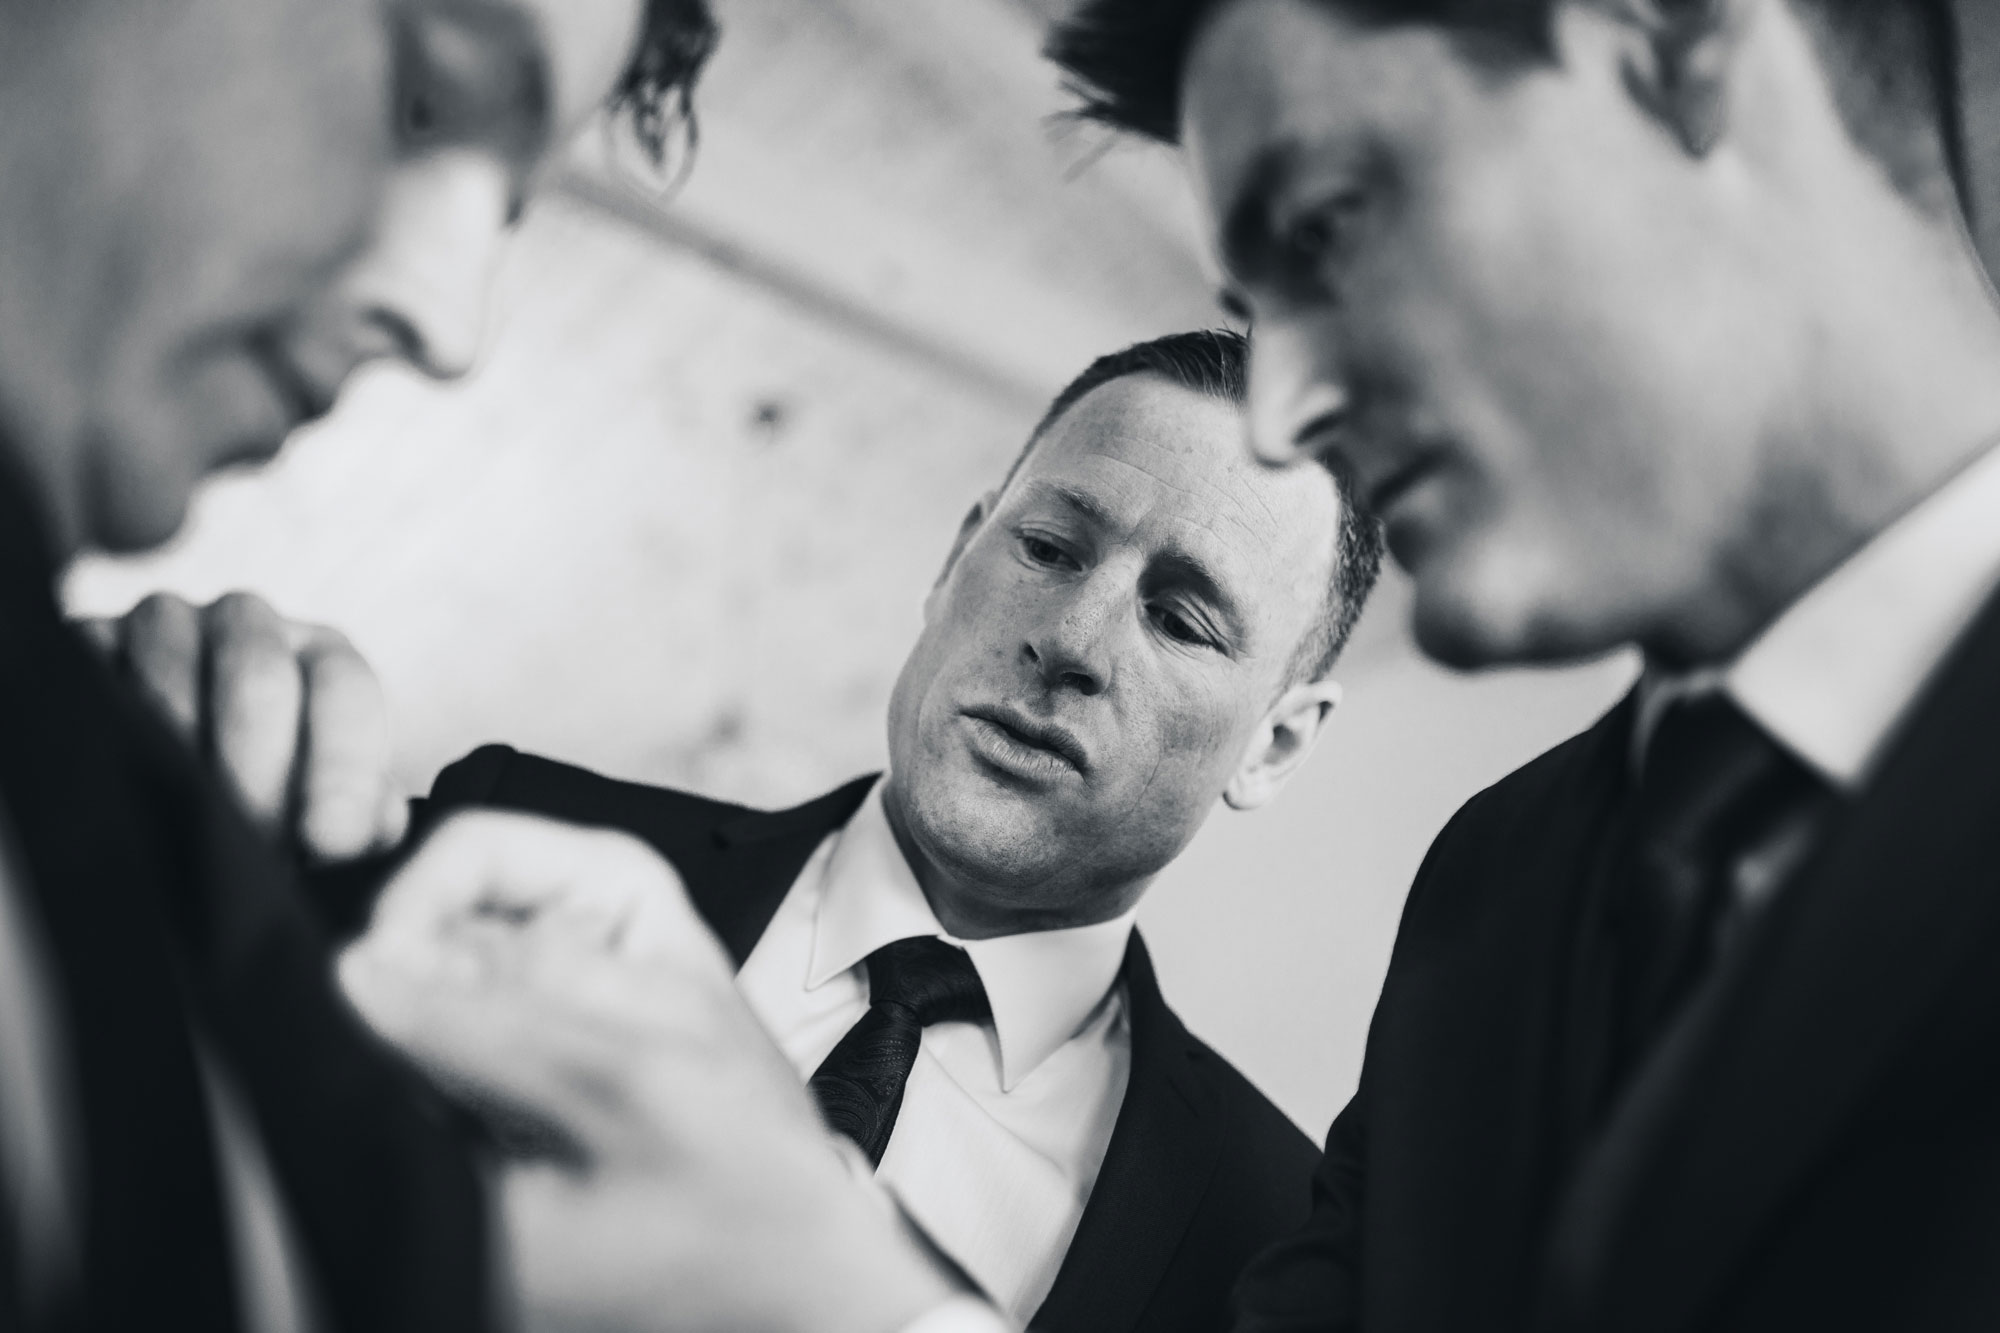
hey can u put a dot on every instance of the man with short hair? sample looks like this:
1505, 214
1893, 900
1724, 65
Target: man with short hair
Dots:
1649, 323
194, 1132
1639, 322
1138, 621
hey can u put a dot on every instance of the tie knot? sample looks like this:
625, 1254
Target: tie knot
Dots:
935, 981
1708, 759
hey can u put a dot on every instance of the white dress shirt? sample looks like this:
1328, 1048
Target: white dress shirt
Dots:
1837, 673
1003, 1127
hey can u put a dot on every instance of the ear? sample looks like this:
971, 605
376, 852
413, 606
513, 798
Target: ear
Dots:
1282, 741
1680, 61
975, 517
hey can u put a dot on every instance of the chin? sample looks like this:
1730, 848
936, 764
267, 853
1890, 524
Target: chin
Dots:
980, 831
1470, 615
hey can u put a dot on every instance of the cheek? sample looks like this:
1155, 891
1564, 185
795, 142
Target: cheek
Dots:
956, 651
1183, 738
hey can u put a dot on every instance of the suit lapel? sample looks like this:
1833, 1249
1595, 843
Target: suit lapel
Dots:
1779, 1052
759, 857
1139, 1211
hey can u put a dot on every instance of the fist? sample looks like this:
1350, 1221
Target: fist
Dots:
558, 978
290, 716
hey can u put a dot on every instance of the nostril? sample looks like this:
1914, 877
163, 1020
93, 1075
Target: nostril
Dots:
1331, 421
1083, 682
400, 338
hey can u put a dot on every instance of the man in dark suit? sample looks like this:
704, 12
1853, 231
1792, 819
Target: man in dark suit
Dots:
1137, 621
194, 1131
1653, 324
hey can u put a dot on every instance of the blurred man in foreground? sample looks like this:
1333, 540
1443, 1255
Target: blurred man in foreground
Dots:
193, 1131
1650, 323
1138, 621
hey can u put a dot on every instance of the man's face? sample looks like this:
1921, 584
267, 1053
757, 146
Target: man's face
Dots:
1511, 304
420, 291
197, 169
1099, 654
192, 276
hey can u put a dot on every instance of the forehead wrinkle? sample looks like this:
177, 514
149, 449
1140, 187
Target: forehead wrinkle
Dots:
1217, 504
1214, 502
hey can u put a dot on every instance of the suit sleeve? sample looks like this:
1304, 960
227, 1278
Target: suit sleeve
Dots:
1309, 1282
1305, 1282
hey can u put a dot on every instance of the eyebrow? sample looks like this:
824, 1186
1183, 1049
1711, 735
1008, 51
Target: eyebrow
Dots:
1086, 505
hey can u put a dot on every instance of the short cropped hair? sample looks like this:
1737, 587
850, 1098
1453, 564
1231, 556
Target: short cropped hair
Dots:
1216, 362
1892, 66
656, 91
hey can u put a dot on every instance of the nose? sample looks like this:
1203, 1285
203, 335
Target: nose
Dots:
1073, 649
420, 293
1295, 398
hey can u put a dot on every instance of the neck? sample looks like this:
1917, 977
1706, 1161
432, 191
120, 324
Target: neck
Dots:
970, 908
1901, 393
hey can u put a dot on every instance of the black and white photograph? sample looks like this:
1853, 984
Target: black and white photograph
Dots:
985, 666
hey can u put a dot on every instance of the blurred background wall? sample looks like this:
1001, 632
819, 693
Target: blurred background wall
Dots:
679, 525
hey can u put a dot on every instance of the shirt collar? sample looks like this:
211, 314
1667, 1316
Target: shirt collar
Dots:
1043, 985
1835, 674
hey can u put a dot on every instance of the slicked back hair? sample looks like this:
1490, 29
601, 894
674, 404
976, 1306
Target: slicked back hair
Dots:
1892, 66
1216, 363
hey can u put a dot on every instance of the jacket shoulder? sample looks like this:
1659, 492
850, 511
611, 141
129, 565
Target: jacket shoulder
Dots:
1544, 779
1532, 818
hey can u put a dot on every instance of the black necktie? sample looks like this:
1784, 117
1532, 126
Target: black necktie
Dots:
912, 984
1722, 813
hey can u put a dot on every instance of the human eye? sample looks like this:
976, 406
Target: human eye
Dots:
1181, 624
1042, 550
1322, 234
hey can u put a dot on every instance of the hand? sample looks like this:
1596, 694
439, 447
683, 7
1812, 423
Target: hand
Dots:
561, 974
291, 716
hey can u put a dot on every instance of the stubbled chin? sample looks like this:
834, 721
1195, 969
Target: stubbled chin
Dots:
1471, 628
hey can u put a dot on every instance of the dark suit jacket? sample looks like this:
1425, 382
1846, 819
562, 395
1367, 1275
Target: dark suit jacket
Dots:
1202, 1171
1815, 1143
165, 917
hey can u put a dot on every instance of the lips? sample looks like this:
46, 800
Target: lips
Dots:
1033, 743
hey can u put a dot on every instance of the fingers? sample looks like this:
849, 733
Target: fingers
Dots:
509, 1053
256, 697
290, 714
488, 869
349, 803
160, 640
